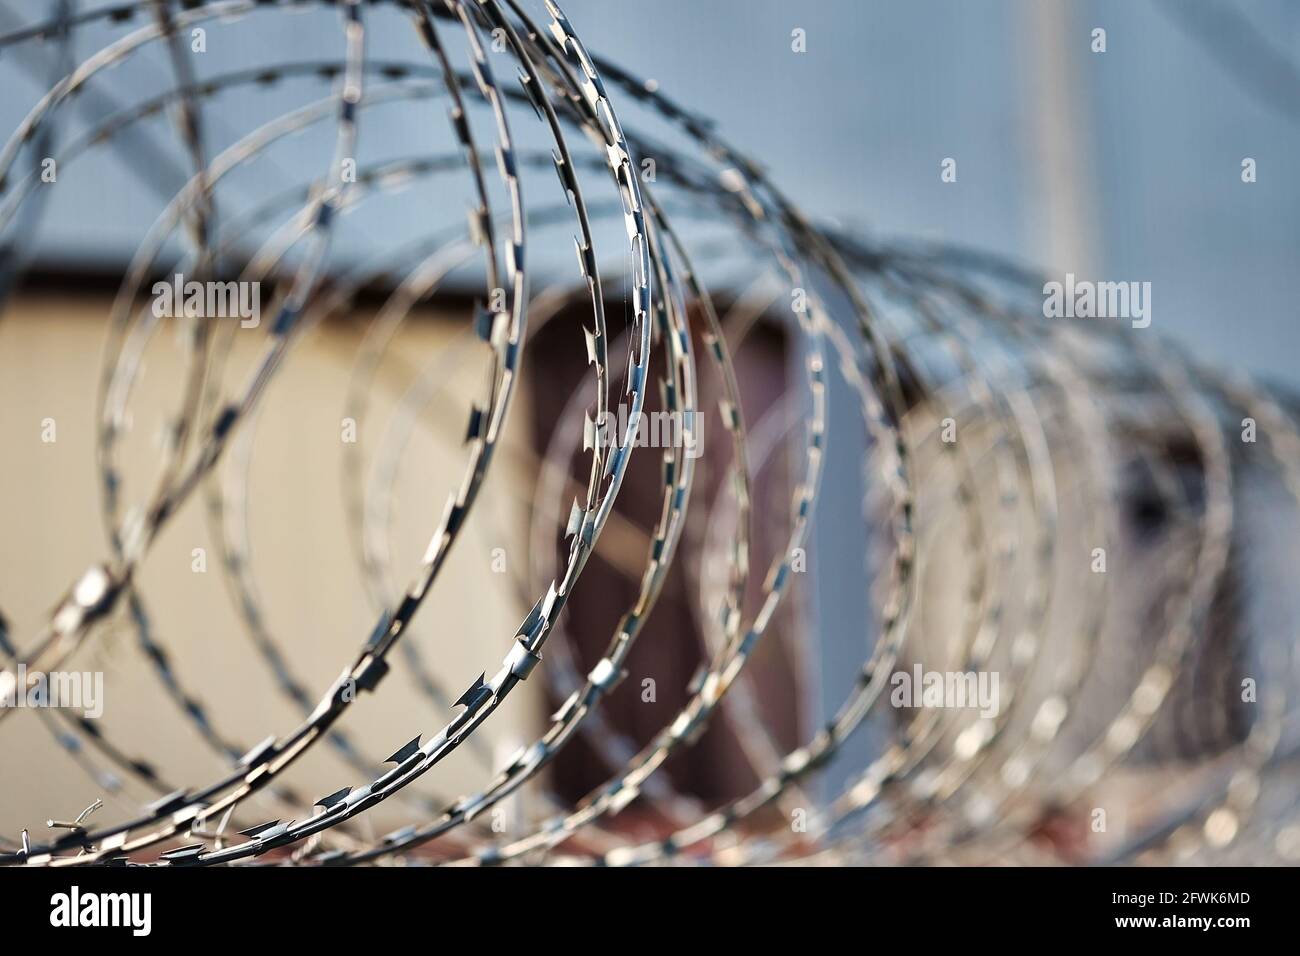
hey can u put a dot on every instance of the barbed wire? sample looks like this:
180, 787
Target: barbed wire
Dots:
1003, 456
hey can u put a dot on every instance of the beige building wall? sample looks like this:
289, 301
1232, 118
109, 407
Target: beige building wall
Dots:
303, 566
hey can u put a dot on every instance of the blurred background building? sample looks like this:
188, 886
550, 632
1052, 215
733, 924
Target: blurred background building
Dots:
1124, 164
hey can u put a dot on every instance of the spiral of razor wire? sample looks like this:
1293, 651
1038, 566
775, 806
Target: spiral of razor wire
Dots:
998, 456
